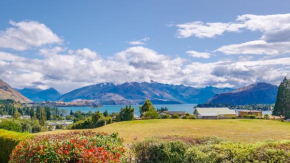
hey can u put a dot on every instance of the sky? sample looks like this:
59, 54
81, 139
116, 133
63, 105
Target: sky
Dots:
69, 44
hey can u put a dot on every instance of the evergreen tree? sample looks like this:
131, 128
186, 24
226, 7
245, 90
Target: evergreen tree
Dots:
147, 106
282, 105
71, 112
16, 115
106, 113
127, 113
148, 111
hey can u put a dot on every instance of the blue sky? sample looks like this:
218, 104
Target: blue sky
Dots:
77, 43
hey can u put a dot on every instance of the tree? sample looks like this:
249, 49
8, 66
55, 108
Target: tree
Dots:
71, 112
147, 106
148, 111
16, 115
106, 113
127, 113
282, 105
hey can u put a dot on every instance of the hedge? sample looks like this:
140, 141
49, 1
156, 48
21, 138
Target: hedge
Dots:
8, 140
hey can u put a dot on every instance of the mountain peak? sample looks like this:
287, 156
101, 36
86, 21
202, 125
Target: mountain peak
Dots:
7, 92
257, 93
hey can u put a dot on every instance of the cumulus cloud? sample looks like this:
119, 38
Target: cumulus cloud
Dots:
74, 69
275, 29
196, 54
27, 34
139, 42
208, 30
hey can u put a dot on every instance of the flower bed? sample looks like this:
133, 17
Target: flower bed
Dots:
70, 147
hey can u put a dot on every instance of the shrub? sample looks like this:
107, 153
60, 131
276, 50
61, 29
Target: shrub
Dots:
234, 117
101, 122
127, 113
8, 140
156, 150
165, 116
11, 125
70, 147
82, 124
152, 114
189, 116
118, 118
175, 116
36, 128
109, 120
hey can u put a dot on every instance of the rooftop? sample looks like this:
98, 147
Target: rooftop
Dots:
217, 111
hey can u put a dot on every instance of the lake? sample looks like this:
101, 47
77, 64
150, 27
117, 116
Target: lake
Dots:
189, 108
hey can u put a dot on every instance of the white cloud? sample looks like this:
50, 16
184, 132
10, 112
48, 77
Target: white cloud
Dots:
196, 54
202, 30
27, 34
275, 29
140, 42
74, 69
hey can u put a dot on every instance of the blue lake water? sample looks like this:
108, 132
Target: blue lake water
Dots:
189, 108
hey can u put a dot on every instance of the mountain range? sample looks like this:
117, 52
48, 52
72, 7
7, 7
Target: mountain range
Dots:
135, 93
38, 95
7, 92
258, 93
158, 93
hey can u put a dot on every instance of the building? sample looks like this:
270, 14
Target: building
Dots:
242, 113
214, 113
5, 116
171, 113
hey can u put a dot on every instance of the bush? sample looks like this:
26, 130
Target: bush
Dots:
175, 116
11, 125
82, 124
250, 116
153, 114
101, 122
70, 147
109, 120
189, 116
36, 128
118, 118
207, 149
165, 116
8, 140
156, 150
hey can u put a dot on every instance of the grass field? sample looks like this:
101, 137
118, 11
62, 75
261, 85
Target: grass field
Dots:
239, 130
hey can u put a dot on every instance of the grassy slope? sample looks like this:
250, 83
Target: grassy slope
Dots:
234, 129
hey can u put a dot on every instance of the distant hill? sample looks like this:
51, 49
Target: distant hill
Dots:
259, 93
7, 92
134, 93
38, 95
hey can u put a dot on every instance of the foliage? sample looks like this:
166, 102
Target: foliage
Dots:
282, 105
127, 113
106, 113
156, 150
109, 120
118, 118
70, 147
175, 116
189, 116
203, 150
152, 114
11, 125
21, 125
147, 106
8, 140
162, 109
165, 116
82, 124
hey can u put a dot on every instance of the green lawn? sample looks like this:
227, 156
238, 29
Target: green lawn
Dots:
239, 130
